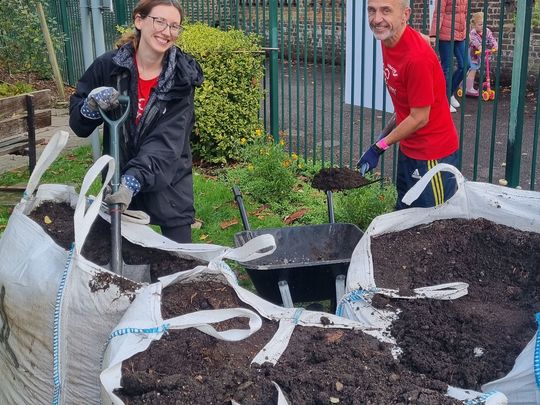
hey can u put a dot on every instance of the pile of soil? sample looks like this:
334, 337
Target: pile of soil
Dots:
474, 339
319, 366
336, 179
57, 220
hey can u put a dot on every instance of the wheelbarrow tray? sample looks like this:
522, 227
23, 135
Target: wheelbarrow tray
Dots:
308, 257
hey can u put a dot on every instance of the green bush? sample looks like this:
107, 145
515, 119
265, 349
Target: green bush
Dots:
360, 206
7, 89
22, 46
267, 172
228, 103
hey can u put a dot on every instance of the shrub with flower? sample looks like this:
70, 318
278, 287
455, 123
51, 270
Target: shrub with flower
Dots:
269, 171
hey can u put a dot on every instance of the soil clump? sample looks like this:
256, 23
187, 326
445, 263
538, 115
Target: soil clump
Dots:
474, 339
318, 366
336, 179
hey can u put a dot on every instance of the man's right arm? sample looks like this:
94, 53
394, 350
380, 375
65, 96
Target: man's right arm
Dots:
417, 119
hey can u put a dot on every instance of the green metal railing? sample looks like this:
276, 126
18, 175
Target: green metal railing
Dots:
308, 51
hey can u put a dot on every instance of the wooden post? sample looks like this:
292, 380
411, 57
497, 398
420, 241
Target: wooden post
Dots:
30, 121
50, 51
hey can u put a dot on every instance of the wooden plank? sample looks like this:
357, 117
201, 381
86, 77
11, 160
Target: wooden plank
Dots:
14, 187
17, 147
13, 148
16, 105
13, 140
17, 125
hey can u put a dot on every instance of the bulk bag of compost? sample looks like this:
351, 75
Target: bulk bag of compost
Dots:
492, 207
151, 355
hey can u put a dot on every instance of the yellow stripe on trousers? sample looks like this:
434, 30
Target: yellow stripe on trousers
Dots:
436, 183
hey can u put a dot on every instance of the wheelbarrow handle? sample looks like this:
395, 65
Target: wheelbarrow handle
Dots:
240, 203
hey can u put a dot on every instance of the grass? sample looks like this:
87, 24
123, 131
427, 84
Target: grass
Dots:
216, 209
214, 202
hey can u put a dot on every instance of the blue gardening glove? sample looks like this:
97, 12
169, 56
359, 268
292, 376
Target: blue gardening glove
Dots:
370, 159
129, 186
104, 97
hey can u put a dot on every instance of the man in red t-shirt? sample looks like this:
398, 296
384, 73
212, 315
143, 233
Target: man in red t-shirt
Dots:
425, 130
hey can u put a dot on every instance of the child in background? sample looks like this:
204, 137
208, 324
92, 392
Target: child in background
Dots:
475, 45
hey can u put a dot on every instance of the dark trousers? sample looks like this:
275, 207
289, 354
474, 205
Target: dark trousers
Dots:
447, 63
180, 234
441, 187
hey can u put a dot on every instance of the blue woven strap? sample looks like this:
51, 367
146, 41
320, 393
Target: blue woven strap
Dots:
57, 323
351, 297
296, 316
147, 331
481, 399
537, 353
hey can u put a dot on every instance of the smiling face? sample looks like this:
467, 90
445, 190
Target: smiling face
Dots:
152, 38
388, 19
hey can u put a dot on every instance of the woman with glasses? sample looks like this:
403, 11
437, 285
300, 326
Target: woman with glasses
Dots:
160, 80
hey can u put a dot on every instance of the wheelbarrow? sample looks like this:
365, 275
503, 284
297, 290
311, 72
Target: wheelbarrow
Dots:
309, 264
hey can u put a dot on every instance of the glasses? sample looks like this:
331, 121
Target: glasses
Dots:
160, 24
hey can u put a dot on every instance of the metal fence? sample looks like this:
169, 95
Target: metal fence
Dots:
327, 82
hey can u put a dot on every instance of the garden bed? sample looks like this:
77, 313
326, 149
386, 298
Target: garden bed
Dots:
476, 338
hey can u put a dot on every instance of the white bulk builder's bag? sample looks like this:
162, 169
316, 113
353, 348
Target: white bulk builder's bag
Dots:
143, 323
518, 209
53, 325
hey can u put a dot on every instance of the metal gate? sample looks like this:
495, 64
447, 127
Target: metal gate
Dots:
318, 101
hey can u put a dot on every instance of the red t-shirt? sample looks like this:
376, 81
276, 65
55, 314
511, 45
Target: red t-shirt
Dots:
414, 78
144, 88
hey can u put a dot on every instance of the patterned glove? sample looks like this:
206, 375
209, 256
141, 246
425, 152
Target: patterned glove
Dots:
122, 197
104, 97
129, 186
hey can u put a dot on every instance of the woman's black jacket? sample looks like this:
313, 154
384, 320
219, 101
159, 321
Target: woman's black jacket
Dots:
157, 150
